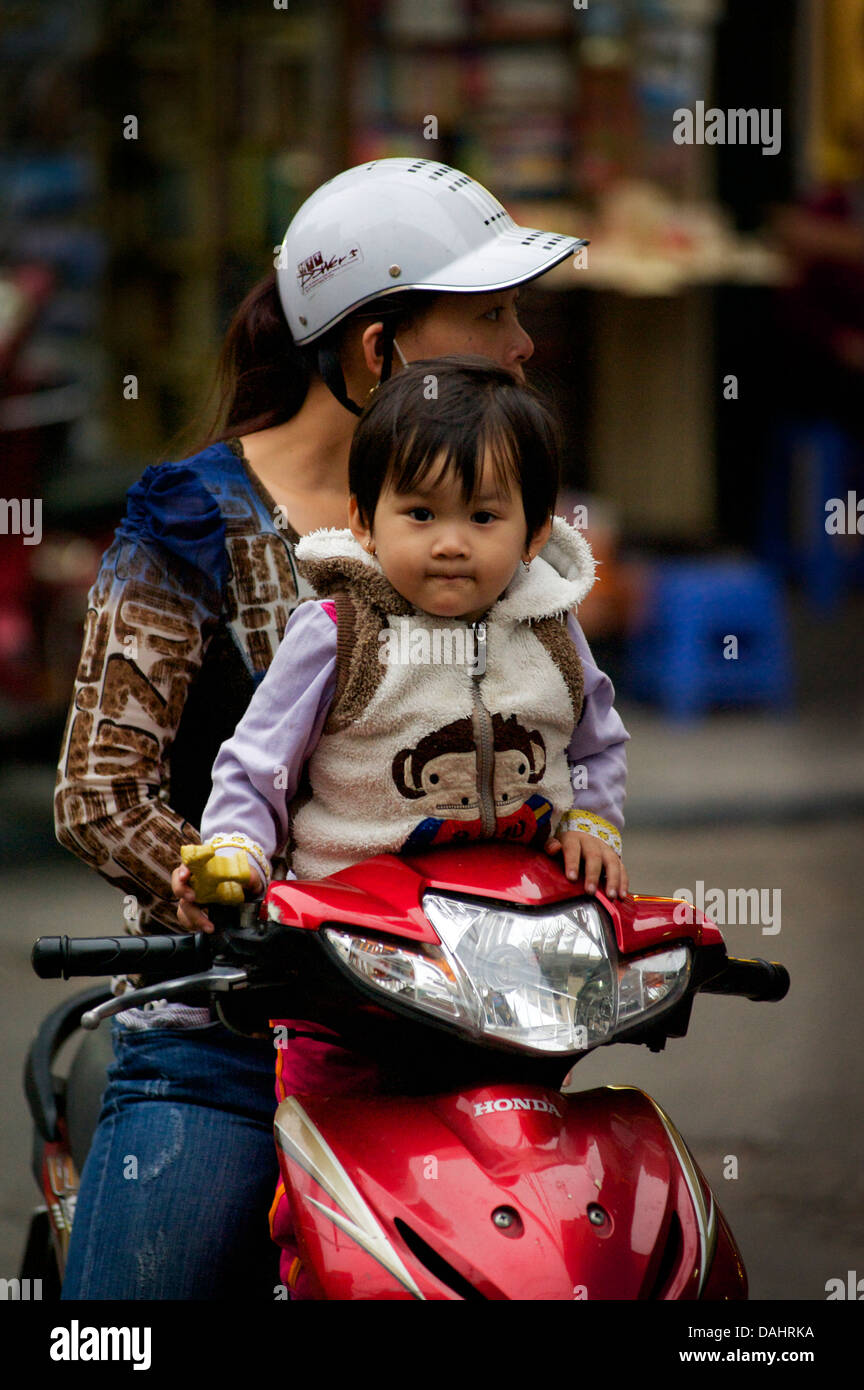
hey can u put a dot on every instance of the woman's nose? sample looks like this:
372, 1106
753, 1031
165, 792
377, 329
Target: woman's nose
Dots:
523, 347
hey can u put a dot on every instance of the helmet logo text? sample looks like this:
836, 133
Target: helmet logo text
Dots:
317, 268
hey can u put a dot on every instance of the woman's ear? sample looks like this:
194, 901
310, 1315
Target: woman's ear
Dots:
536, 542
370, 345
359, 530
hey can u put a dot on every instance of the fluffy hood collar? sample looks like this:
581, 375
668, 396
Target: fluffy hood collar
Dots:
556, 580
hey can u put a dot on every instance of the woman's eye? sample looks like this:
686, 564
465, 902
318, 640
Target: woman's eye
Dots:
494, 314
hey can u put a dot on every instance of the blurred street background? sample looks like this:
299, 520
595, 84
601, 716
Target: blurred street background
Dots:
707, 358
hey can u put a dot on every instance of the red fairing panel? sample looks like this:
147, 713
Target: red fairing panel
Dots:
385, 894
727, 1278
500, 1193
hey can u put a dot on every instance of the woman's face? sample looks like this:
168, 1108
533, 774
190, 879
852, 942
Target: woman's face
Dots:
485, 324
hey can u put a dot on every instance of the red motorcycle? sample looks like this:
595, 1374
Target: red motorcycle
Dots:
488, 975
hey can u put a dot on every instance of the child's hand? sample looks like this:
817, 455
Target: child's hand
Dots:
190, 917
595, 856
189, 914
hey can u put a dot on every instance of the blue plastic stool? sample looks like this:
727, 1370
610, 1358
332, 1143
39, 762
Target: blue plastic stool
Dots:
680, 654
812, 461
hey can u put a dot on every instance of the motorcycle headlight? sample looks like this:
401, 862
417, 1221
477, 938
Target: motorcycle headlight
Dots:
543, 980
546, 982
418, 974
649, 984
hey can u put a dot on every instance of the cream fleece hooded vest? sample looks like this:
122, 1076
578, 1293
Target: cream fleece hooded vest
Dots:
435, 735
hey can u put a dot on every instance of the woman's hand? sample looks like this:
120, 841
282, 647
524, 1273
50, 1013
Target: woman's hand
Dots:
595, 856
192, 917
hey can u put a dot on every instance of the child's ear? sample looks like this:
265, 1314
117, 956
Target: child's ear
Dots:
359, 530
536, 542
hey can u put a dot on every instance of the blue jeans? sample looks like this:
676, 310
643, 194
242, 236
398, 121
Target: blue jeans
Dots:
181, 1174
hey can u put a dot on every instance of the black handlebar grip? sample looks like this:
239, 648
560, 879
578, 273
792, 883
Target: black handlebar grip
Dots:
758, 979
61, 957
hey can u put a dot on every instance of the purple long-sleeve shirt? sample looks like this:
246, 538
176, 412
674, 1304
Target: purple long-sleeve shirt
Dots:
258, 769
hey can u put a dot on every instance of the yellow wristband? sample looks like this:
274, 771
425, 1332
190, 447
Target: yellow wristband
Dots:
237, 840
588, 824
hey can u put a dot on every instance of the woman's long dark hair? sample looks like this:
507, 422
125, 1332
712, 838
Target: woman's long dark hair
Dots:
262, 376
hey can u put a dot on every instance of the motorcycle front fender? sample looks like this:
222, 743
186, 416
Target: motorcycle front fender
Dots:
501, 1192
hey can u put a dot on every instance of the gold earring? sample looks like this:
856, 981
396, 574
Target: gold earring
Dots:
370, 547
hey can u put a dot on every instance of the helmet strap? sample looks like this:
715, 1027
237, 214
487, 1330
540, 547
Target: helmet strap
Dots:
330, 368
333, 377
388, 336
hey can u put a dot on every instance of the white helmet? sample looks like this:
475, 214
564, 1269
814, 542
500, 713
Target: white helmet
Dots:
402, 224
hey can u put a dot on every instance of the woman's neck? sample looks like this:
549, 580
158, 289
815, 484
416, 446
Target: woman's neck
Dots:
307, 454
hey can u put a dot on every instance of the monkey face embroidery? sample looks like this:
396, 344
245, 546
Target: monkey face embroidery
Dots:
446, 785
520, 762
442, 774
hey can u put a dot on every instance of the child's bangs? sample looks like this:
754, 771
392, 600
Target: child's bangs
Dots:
425, 458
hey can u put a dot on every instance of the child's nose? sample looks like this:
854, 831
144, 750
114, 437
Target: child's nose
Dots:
451, 540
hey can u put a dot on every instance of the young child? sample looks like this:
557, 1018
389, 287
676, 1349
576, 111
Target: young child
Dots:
365, 735
439, 689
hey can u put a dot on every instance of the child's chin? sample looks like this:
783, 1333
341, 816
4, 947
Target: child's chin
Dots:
453, 610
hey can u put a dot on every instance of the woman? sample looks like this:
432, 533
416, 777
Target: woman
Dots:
403, 257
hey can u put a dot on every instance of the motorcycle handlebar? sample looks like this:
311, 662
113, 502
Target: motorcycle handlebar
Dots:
758, 979
56, 957
61, 957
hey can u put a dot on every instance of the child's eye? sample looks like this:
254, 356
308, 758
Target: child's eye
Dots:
484, 517
420, 514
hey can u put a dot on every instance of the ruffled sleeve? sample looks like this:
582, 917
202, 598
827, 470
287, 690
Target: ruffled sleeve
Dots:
170, 511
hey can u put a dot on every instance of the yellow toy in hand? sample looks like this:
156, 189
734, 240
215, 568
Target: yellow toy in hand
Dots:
216, 878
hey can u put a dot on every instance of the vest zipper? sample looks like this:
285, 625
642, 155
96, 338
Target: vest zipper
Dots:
483, 736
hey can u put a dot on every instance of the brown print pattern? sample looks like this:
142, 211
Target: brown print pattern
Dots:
261, 579
124, 681
162, 618
121, 750
97, 629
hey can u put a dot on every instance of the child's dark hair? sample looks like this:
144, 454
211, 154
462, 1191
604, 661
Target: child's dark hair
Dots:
445, 412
